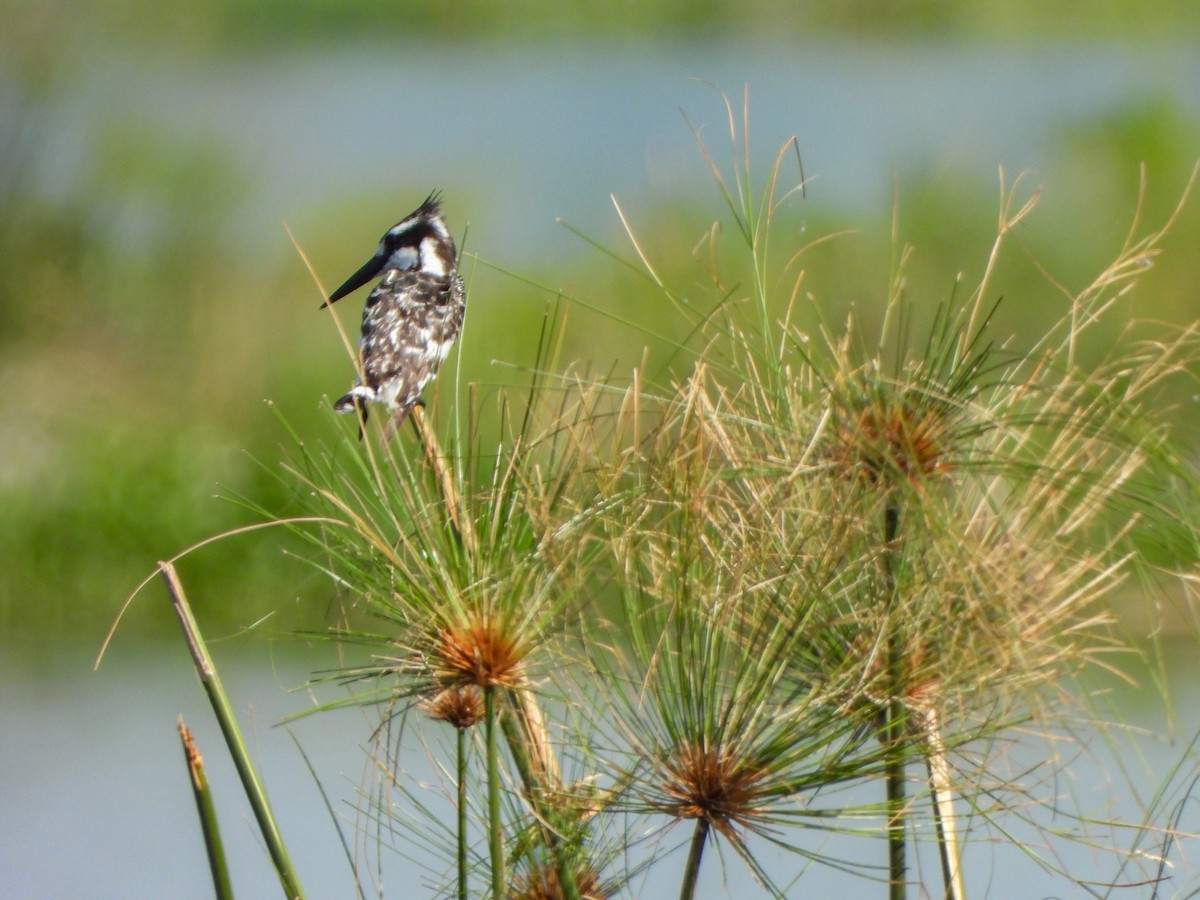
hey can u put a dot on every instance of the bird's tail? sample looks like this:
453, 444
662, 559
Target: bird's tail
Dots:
399, 417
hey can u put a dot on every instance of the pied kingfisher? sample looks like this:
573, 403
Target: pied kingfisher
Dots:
412, 316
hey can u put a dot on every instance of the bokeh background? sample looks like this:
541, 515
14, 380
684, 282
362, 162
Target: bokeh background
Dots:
158, 326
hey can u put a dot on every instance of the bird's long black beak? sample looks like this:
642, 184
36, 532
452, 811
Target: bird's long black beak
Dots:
372, 268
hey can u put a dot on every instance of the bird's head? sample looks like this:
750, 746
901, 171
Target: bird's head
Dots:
420, 240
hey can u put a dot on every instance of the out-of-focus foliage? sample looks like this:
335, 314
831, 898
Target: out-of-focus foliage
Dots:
226, 22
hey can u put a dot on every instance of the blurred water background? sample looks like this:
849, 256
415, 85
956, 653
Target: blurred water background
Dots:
151, 301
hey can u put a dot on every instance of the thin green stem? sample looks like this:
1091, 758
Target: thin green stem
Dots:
222, 886
219, 700
895, 714
897, 869
461, 751
691, 872
495, 826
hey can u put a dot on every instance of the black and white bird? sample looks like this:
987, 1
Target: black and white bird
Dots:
412, 316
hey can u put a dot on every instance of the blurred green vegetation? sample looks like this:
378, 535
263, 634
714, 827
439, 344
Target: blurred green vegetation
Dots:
224, 23
140, 332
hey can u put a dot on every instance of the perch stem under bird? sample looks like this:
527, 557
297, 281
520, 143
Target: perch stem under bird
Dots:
411, 317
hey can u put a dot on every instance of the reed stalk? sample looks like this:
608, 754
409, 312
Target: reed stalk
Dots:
691, 871
206, 810
944, 819
460, 517
537, 770
895, 713
461, 777
223, 709
495, 822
